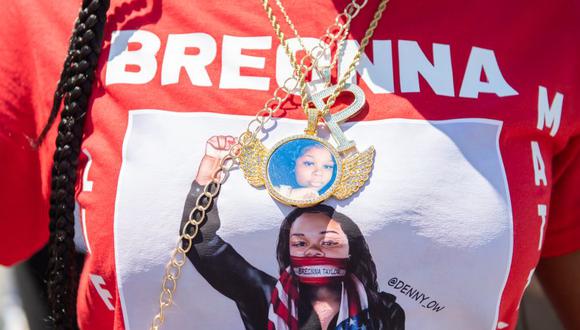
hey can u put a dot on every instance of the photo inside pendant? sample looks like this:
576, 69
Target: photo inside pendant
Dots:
302, 169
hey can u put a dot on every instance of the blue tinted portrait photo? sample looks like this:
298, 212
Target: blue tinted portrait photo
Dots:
302, 169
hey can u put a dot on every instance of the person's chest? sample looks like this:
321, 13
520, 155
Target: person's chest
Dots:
465, 117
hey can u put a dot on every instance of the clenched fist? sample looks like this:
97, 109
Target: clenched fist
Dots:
216, 148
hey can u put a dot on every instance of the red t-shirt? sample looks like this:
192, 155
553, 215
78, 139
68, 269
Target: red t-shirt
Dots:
472, 108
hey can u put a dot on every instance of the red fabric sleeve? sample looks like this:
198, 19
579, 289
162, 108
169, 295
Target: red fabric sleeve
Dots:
34, 37
23, 221
563, 229
23, 215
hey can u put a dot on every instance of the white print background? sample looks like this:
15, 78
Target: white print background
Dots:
436, 215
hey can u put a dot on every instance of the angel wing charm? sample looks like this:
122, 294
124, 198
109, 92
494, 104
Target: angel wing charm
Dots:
252, 159
358, 166
304, 170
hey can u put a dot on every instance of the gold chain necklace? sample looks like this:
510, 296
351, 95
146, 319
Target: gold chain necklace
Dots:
337, 31
252, 155
329, 38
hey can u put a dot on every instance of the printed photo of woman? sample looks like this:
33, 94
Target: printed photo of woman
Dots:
327, 277
302, 169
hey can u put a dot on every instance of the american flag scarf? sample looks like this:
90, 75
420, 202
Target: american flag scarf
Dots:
283, 311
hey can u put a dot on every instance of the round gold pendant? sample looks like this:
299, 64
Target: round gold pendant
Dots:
302, 170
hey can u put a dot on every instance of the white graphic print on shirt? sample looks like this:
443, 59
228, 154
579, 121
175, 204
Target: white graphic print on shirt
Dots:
437, 198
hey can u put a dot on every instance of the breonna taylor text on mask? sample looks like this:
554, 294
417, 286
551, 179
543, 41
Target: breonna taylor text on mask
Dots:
313, 271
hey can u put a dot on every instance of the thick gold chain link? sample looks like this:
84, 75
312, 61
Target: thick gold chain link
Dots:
196, 217
326, 40
332, 34
206, 198
352, 67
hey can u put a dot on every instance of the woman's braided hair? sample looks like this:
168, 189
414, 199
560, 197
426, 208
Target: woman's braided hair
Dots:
74, 87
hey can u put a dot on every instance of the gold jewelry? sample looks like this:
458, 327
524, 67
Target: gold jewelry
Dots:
247, 141
329, 36
329, 175
350, 173
301, 69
